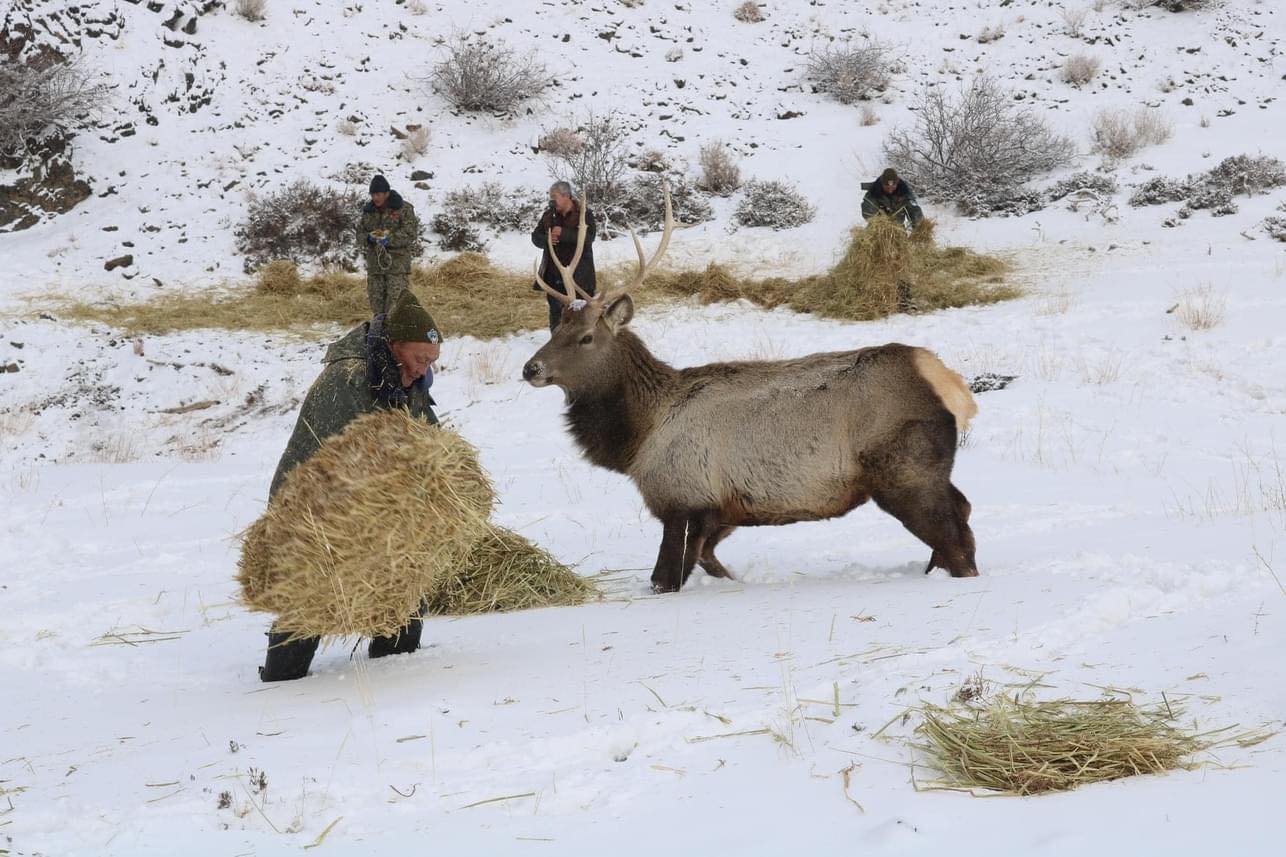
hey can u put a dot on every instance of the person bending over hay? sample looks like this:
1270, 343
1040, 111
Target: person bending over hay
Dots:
368, 500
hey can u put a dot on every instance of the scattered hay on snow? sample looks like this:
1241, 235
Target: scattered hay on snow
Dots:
1020, 746
362, 530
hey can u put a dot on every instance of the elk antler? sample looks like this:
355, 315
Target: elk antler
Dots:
645, 266
567, 272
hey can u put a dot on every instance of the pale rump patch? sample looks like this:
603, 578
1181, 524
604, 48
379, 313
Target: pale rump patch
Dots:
950, 387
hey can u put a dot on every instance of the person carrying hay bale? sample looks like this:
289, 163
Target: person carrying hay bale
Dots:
891, 196
383, 364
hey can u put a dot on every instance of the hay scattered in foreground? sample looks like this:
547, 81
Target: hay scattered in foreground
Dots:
506, 572
883, 271
1023, 747
359, 532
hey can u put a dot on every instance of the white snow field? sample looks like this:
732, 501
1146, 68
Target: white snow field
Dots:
1129, 487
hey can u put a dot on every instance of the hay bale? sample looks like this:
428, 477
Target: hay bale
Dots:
358, 533
506, 572
1020, 746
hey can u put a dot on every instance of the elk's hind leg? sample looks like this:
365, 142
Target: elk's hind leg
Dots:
708, 561
934, 516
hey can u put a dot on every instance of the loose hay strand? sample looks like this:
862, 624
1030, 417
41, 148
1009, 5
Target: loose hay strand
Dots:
1015, 745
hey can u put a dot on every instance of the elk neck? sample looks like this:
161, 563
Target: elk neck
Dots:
611, 420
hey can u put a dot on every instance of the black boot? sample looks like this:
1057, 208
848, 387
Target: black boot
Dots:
407, 639
287, 660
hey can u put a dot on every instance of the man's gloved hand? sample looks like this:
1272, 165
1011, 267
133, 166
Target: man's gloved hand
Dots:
383, 242
370, 240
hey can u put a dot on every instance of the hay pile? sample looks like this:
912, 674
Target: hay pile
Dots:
506, 572
1024, 747
362, 530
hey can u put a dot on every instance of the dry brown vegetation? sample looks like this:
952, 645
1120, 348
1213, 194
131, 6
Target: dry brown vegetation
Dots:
883, 271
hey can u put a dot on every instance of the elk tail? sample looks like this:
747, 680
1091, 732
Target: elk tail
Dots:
950, 387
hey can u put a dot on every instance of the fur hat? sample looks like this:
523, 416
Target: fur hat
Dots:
379, 184
409, 322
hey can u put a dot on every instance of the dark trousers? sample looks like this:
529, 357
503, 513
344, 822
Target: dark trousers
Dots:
289, 659
556, 307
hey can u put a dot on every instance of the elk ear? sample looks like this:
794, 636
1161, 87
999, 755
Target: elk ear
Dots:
619, 312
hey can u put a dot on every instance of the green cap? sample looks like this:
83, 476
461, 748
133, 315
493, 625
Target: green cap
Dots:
889, 175
409, 322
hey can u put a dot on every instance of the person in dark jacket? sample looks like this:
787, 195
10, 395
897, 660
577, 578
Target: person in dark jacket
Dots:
891, 196
560, 224
384, 363
388, 234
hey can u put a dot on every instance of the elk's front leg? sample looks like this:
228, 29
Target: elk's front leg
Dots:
670, 561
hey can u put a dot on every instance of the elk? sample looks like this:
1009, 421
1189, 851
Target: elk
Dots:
754, 443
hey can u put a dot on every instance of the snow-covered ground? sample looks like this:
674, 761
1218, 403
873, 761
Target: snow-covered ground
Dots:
1129, 488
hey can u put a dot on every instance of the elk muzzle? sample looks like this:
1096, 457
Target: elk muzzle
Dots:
534, 373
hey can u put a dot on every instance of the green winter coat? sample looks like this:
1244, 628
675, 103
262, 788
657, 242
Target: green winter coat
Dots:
398, 221
344, 391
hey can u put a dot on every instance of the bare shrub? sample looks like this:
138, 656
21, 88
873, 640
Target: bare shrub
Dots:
493, 205
642, 204
1074, 20
598, 167
1080, 69
748, 13
849, 73
1275, 226
1201, 308
976, 149
416, 143
869, 116
774, 204
36, 99
456, 234
674, 54
651, 161
417, 7
479, 74
562, 142
251, 10
346, 128
1119, 133
720, 174
302, 222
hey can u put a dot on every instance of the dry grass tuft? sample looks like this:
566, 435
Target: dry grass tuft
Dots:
1019, 746
359, 533
1201, 308
506, 572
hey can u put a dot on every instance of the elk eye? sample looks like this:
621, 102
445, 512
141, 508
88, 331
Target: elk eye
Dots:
587, 339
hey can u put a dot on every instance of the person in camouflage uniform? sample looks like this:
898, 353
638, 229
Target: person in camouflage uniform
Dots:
383, 363
893, 197
388, 234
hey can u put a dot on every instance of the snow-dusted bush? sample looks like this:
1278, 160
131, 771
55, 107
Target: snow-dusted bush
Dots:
1119, 133
977, 149
39, 99
775, 204
303, 222
650, 161
456, 235
479, 74
720, 174
599, 166
1080, 69
849, 72
1249, 174
492, 205
642, 205
1239, 175
1275, 226
1096, 183
562, 142
251, 10
748, 12
1001, 200
1160, 190
990, 34
1074, 20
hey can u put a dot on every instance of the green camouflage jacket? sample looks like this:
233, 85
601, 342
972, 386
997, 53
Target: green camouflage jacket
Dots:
397, 220
345, 390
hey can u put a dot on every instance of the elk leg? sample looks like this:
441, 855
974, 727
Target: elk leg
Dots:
701, 527
709, 563
668, 576
937, 516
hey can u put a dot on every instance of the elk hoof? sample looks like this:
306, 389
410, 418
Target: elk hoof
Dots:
660, 588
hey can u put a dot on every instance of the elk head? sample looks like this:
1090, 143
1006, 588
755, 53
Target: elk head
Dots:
584, 351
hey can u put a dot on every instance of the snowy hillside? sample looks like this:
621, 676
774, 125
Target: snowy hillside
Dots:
1129, 487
